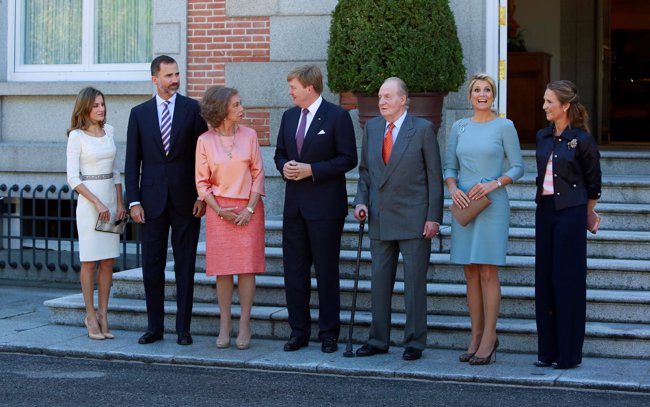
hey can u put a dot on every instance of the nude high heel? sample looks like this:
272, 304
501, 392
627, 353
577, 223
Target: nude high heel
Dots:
102, 320
93, 335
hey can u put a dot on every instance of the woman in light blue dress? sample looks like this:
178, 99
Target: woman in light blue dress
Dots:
476, 151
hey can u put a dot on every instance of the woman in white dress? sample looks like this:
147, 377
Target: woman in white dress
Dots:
93, 173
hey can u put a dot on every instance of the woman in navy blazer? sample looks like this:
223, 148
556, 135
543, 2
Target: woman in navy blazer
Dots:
568, 187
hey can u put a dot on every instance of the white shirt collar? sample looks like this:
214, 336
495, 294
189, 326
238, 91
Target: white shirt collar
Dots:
397, 123
159, 100
313, 108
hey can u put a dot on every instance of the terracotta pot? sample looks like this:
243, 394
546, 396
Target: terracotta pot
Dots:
347, 100
427, 105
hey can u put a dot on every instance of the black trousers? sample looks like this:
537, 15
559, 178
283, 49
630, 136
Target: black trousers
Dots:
185, 230
318, 242
560, 282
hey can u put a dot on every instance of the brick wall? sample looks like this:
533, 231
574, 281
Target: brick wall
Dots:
214, 40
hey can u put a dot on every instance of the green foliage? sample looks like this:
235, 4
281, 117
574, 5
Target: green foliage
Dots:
416, 40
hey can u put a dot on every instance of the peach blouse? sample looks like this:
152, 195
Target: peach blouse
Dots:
233, 175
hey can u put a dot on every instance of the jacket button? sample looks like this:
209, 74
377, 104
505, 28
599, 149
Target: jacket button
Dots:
555, 156
557, 193
574, 185
555, 175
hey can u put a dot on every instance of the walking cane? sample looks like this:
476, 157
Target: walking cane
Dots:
348, 347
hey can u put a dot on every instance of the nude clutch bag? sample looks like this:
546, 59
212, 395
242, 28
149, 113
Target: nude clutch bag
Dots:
465, 215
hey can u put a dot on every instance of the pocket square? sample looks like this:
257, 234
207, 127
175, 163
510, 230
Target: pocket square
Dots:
321, 132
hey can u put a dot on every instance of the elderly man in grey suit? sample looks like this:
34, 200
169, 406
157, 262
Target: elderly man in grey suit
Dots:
400, 188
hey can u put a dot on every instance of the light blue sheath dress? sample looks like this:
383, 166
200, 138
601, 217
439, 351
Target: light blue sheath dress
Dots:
477, 152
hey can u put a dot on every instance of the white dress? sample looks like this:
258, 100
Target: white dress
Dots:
88, 155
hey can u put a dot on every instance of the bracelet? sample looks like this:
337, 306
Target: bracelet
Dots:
499, 184
249, 209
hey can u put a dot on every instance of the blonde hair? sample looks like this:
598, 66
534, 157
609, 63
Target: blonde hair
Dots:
308, 75
481, 77
82, 107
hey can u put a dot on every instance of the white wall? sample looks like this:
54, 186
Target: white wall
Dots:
540, 21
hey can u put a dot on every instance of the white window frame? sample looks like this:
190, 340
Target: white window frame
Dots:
86, 71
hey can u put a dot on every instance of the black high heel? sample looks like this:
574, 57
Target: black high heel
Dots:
465, 357
475, 360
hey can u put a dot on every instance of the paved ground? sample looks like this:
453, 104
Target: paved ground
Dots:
25, 328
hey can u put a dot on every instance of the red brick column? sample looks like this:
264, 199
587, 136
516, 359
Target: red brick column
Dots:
214, 40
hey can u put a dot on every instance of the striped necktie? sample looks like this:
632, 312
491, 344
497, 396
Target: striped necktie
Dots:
166, 126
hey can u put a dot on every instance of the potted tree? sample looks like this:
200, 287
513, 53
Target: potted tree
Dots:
416, 40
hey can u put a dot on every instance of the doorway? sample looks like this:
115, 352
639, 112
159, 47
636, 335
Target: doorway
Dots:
629, 76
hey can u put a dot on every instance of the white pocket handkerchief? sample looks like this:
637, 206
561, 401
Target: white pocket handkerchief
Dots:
321, 132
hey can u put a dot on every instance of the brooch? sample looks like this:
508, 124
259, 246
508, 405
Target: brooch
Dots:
572, 144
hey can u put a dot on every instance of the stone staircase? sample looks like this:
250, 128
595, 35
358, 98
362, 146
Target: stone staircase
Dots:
618, 280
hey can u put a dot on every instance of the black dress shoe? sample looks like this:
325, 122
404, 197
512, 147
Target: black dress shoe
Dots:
184, 339
295, 344
150, 337
411, 354
539, 363
370, 350
329, 345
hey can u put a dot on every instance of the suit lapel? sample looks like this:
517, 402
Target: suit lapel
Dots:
290, 132
152, 117
180, 112
404, 136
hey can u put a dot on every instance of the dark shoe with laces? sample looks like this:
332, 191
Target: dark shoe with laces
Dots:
295, 344
412, 353
370, 350
150, 337
184, 339
329, 345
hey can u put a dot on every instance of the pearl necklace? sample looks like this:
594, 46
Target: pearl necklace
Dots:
232, 147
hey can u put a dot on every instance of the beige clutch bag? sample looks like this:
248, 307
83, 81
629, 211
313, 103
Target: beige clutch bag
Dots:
466, 215
113, 225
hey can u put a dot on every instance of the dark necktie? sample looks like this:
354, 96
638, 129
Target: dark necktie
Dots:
166, 126
300, 135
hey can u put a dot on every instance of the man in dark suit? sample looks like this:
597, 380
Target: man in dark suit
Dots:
400, 188
316, 146
159, 173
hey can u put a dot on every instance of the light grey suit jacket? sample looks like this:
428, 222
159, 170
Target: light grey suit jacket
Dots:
404, 194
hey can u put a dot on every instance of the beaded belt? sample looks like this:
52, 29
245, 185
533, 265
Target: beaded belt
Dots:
96, 177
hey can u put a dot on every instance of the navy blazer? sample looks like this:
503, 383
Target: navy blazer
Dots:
331, 149
576, 166
151, 177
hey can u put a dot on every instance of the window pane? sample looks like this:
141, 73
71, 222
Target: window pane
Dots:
124, 31
52, 31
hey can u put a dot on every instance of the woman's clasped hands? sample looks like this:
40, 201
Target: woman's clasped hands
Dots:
231, 215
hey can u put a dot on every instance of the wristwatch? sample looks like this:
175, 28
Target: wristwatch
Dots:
249, 209
499, 184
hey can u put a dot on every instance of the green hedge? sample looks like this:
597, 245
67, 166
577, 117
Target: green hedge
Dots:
371, 40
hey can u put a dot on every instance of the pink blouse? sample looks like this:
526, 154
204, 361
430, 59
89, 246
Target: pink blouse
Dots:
235, 177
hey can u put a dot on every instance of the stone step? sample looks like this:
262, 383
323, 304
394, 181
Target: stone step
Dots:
612, 244
632, 189
444, 331
612, 162
614, 216
617, 274
442, 298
